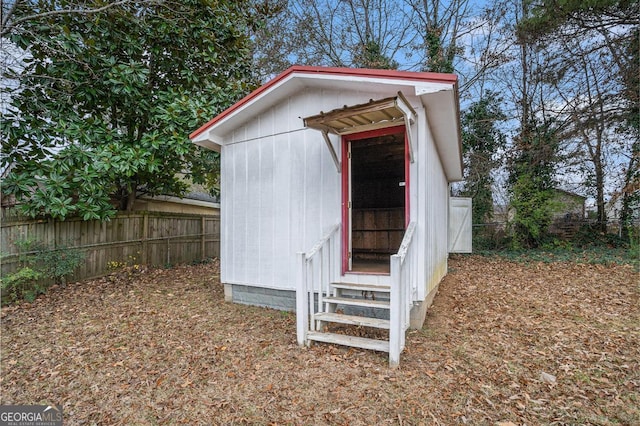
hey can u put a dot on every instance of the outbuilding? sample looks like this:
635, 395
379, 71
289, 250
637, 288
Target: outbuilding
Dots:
335, 198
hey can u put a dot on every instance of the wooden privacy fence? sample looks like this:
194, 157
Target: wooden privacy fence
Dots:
142, 238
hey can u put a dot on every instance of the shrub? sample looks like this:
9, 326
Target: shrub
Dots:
23, 284
40, 266
590, 236
489, 237
58, 264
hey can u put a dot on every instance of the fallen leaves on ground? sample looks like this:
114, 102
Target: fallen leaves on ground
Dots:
503, 344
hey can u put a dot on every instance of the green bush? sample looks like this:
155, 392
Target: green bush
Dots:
489, 237
590, 236
59, 264
23, 284
552, 244
40, 266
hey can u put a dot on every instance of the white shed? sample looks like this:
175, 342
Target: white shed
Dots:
335, 198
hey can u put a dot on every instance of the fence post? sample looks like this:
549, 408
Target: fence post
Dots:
168, 251
145, 236
51, 234
203, 227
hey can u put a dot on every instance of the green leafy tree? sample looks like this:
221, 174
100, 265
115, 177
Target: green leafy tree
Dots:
531, 183
369, 55
31, 11
631, 187
105, 100
533, 154
482, 140
591, 58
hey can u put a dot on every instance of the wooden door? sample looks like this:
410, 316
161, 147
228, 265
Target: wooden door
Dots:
375, 192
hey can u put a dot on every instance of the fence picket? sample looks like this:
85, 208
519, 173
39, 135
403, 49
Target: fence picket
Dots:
146, 238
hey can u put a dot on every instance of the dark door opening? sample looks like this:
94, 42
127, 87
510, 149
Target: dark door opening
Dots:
377, 195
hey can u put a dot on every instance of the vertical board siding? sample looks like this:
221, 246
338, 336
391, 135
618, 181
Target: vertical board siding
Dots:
267, 201
437, 201
312, 190
239, 232
290, 195
227, 163
283, 222
281, 192
167, 239
254, 187
267, 211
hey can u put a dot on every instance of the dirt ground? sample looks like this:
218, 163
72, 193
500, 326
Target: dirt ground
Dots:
504, 344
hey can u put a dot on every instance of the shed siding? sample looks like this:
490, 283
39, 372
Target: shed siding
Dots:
429, 209
419, 185
432, 211
280, 193
435, 202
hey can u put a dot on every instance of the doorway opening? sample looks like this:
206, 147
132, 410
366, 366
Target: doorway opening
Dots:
376, 198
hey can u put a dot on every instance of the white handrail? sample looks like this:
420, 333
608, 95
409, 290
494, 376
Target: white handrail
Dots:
400, 296
322, 241
305, 290
315, 271
406, 241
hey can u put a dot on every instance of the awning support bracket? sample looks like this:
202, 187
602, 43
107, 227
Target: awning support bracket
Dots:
332, 151
409, 117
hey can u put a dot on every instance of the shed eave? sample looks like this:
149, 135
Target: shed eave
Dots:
443, 114
258, 100
206, 141
300, 77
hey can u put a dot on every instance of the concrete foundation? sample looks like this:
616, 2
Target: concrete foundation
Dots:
419, 311
283, 300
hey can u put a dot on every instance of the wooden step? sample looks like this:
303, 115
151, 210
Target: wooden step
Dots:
356, 342
366, 303
362, 287
353, 320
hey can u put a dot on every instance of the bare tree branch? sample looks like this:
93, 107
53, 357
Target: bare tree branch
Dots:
8, 25
9, 13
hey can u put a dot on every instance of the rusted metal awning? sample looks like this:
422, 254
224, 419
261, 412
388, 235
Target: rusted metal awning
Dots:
359, 118
376, 114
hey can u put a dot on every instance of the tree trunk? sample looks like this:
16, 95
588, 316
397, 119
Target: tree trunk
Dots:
599, 172
600, 204
131, 199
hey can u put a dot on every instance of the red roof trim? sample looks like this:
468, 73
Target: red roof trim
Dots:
357, 72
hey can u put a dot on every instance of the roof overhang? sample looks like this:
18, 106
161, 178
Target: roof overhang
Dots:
444, 123
437, 92
363, 117
373, 115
